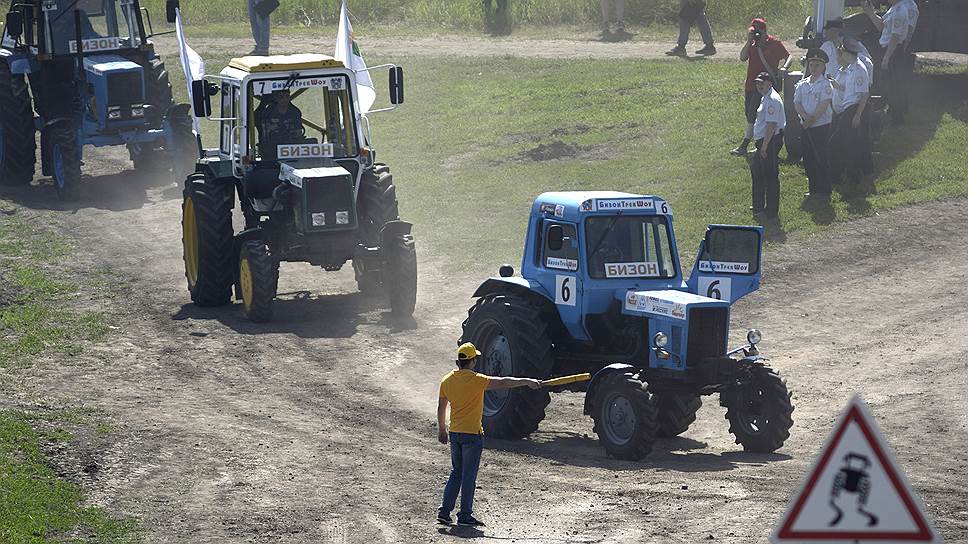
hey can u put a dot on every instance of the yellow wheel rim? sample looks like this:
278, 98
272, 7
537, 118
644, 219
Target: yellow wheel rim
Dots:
190, 241
245, 279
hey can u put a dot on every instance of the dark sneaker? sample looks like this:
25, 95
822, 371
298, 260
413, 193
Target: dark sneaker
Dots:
444, 520
708, 50
469, 521
259, 53
677, 51
741, 150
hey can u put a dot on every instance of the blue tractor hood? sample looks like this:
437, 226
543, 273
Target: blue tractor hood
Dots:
666, 304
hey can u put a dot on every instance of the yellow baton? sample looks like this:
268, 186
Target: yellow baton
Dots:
567, 379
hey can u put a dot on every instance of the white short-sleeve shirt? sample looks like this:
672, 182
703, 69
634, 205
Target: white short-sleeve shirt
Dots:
856, 82
911, 8
895, 25
770, 111
830, 49
809, 95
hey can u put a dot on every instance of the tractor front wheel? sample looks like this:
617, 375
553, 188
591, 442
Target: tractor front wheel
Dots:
65, 160
183, 152
759, 413
676, 412
512, 335
400, 274
258, 280
17, 145
626, 416
207, 239
377, 204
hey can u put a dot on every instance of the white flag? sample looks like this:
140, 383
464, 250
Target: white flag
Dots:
348, 52
192, 64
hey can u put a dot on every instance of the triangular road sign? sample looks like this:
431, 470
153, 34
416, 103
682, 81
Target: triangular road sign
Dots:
855, 492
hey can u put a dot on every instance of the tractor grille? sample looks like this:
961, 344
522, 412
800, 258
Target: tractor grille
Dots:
708, 328
125, 88
332, 197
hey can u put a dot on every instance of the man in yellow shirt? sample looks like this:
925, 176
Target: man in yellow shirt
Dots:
464, 390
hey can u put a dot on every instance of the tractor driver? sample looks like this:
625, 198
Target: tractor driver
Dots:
278, 122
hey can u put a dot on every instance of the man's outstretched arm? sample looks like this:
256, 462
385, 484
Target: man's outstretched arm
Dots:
505, 382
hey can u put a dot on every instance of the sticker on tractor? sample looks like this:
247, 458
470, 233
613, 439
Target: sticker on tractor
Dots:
304, 151
268, 86
855, 492
319, 219
97, 44
343, 217
659, 306
613, 204
561, 264
724, 267
559, 210
565, 294
632, 270
717, 288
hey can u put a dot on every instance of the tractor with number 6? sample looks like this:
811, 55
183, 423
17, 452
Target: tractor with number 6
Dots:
295, 148
601, 291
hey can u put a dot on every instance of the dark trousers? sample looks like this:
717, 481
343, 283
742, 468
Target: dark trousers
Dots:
850, 148
465, 459
693, 12
766, 177
750, 104
898, 84
813, 142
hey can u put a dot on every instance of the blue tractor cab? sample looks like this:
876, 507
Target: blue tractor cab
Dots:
601, 290
89, 70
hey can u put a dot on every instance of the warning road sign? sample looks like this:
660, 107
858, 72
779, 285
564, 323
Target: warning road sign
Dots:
855, 492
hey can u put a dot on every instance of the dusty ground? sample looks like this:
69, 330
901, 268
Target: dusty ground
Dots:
319, 427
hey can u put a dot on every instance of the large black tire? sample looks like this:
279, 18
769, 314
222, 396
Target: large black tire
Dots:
17, 147
207, 239
184, 152
377, 204
157, 91
65, 161
759, 414
512, 334
258, 280
676, 412
626, 417
400, 275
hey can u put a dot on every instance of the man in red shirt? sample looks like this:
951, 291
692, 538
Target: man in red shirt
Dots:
764, 53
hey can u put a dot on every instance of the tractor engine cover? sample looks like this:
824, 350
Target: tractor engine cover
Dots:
324, 199
118, 86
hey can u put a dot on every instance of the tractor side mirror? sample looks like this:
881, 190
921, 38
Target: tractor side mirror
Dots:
556, 237
15, 24
170, 7
396, 85
202, 92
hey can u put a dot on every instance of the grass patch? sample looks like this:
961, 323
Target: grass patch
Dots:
479, 138
37, 311
37, 506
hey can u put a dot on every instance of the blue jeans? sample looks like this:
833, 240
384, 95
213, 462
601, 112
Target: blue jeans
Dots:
465, 458
260, 28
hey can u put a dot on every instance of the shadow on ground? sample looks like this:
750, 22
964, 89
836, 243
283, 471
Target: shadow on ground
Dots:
126, 190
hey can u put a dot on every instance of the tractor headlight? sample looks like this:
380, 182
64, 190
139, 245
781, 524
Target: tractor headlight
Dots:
114, 112
754, 337
137, 111
660, 340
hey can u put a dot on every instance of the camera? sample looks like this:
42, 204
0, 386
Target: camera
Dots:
757, 34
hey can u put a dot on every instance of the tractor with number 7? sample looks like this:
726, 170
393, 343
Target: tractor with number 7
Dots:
295, 148
601, 291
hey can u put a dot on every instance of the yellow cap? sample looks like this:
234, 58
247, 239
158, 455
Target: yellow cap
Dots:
467, 351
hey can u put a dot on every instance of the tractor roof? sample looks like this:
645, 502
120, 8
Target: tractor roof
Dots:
570, 205
285, 63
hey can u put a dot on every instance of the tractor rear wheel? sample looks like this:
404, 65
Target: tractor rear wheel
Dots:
400, 274
207, 239
676, 412
626, 417
65, 161
258, 280
512, 335
759, 413
17, 146
377, 204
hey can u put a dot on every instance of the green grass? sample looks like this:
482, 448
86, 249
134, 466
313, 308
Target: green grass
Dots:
460, 148
37, 308
37, 506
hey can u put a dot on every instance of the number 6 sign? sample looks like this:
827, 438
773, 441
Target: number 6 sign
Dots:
565, 290
715, 287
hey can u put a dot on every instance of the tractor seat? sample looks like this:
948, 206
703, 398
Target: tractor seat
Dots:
260, 182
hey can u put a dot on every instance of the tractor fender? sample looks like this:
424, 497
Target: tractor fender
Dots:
597, 379
395, 229
514, 284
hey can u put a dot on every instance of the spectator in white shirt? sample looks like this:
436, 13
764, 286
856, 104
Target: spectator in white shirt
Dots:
813, 100
834, 36
897, 63
768, 135
850, 148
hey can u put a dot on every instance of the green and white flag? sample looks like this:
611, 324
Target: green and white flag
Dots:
348, 51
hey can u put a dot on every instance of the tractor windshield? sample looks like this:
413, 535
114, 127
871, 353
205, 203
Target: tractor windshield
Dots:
105, 25
629, 246
303, 118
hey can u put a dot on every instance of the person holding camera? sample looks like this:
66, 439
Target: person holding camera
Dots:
813, 100
693, 12
768, 128
897, 63
259, 11
763, 53
850, 146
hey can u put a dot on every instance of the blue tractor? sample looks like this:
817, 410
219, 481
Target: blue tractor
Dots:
89, 71
601, 291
